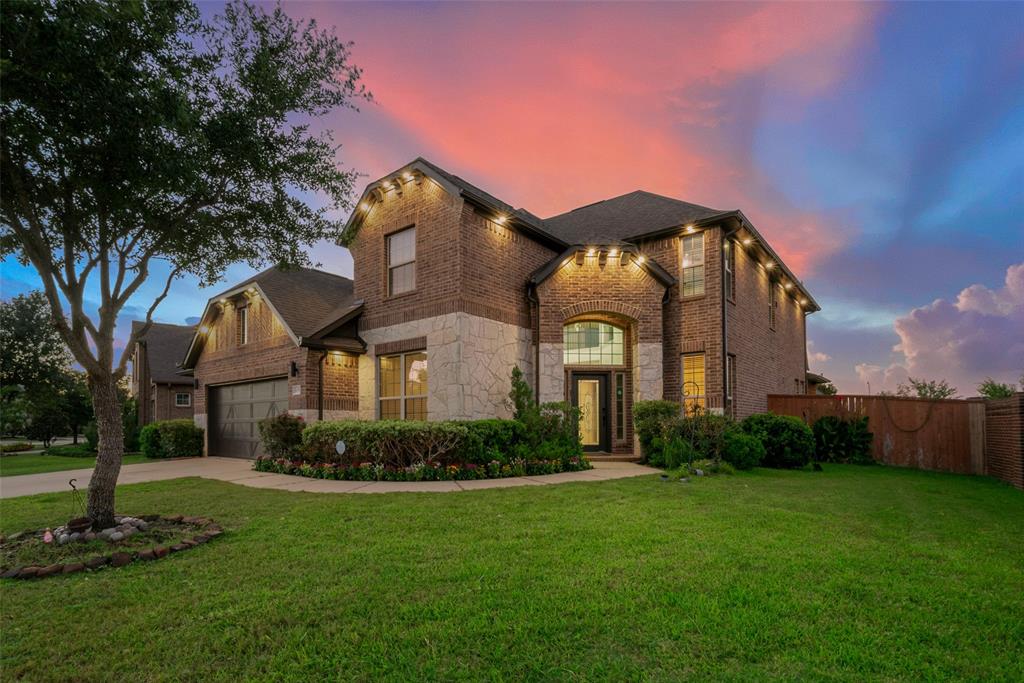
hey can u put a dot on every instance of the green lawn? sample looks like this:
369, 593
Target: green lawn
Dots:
34, 463
851, 574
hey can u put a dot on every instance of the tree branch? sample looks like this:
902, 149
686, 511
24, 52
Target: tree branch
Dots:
141, 332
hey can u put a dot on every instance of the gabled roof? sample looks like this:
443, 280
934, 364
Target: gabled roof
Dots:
455, 186
310, 303
625, 216
165, 345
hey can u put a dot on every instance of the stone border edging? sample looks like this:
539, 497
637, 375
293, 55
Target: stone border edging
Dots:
210, 530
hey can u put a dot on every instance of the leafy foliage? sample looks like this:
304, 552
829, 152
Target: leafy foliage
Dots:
32, 353
787, 441
827, 389
46, 418
838, 440
921, 388
171, 439
650, 420
743, 451
993, 389
282, 435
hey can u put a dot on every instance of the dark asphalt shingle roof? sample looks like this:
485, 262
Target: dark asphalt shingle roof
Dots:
304, 297
629, 215
165, 347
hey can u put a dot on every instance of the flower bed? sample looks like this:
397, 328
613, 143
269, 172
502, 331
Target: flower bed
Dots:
27, 555
368, 471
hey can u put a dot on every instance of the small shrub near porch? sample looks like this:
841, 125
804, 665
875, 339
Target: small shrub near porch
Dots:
171, 439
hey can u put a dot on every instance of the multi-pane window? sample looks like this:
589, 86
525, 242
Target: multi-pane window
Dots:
403, 386
183, 400
773, 303
693, 264
693, 382
620, 406
730, 270
592, 343
243, 325
402, 261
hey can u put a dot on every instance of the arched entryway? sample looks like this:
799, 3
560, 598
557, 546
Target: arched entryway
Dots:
597, 357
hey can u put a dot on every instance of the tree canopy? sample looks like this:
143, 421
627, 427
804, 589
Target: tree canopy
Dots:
32, 353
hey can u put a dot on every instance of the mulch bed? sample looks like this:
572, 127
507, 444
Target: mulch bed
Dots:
190, 532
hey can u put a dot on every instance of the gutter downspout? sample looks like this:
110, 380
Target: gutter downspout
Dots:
320, 386
531, 296
725, 319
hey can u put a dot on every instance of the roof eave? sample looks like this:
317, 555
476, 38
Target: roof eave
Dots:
649, 265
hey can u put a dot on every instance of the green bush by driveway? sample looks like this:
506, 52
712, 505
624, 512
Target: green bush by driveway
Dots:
853, 574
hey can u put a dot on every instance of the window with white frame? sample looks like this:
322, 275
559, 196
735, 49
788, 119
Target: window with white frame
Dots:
183, 400
730, 270
402, 261
242, 318
694, 396
402, 382
693, 264
593, 343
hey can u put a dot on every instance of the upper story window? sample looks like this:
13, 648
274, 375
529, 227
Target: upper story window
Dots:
693, 264
773, 303
592, 343
730, 270
242, 320
183, 400
402, 261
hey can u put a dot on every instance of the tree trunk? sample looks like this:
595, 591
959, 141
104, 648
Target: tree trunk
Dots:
74, 435
107, 403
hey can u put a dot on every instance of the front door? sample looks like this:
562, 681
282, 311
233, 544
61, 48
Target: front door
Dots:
590, 395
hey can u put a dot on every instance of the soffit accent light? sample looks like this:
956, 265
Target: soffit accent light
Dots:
641, 258
203, 329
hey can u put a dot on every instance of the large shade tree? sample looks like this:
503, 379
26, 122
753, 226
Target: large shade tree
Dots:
138, 133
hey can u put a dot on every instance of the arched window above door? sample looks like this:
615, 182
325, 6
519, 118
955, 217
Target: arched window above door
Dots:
593, 343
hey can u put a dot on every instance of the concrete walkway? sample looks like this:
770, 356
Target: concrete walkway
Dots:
240, 472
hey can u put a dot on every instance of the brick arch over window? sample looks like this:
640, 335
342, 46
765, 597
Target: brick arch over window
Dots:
600, 306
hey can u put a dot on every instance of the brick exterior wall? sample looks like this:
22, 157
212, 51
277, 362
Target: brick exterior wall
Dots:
1004, 439
162, 404
768, 361
268, 354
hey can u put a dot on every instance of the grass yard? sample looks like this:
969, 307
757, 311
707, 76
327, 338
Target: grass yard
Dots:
851, 574
34, 463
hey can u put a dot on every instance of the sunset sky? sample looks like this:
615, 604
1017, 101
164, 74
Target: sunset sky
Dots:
879, 148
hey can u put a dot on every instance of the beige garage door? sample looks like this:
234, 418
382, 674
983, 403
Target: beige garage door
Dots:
236, 410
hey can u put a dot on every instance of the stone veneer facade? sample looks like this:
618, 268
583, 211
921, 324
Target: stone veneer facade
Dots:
476, 315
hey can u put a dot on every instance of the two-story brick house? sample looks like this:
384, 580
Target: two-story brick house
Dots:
636, 297
161, 392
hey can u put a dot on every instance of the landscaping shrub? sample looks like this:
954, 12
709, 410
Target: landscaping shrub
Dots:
16, 447
743, 451
838, 440
672, 452
491, 439
705, 432
281, 435
551, 428
171, 439
388, 443
787, 441
649, 422
92, 436
420, 472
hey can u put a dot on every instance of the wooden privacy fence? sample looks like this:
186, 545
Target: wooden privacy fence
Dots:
943, 435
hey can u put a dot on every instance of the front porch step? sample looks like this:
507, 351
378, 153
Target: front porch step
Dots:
613, 457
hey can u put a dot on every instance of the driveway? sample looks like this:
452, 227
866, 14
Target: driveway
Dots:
239, 471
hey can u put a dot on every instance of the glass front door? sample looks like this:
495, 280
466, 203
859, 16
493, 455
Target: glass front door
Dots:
590, 395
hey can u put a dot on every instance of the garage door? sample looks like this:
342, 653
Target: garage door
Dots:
236, 410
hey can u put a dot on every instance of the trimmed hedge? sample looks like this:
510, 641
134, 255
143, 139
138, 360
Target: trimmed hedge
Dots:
837, 440
281, 435
420, 472
171, 439
787, 441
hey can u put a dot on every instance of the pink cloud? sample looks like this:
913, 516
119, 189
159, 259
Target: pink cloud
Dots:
979, 335
555, 106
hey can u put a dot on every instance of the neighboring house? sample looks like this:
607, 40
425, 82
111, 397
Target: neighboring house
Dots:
161, 391
631, 298
282, 341
815, 382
